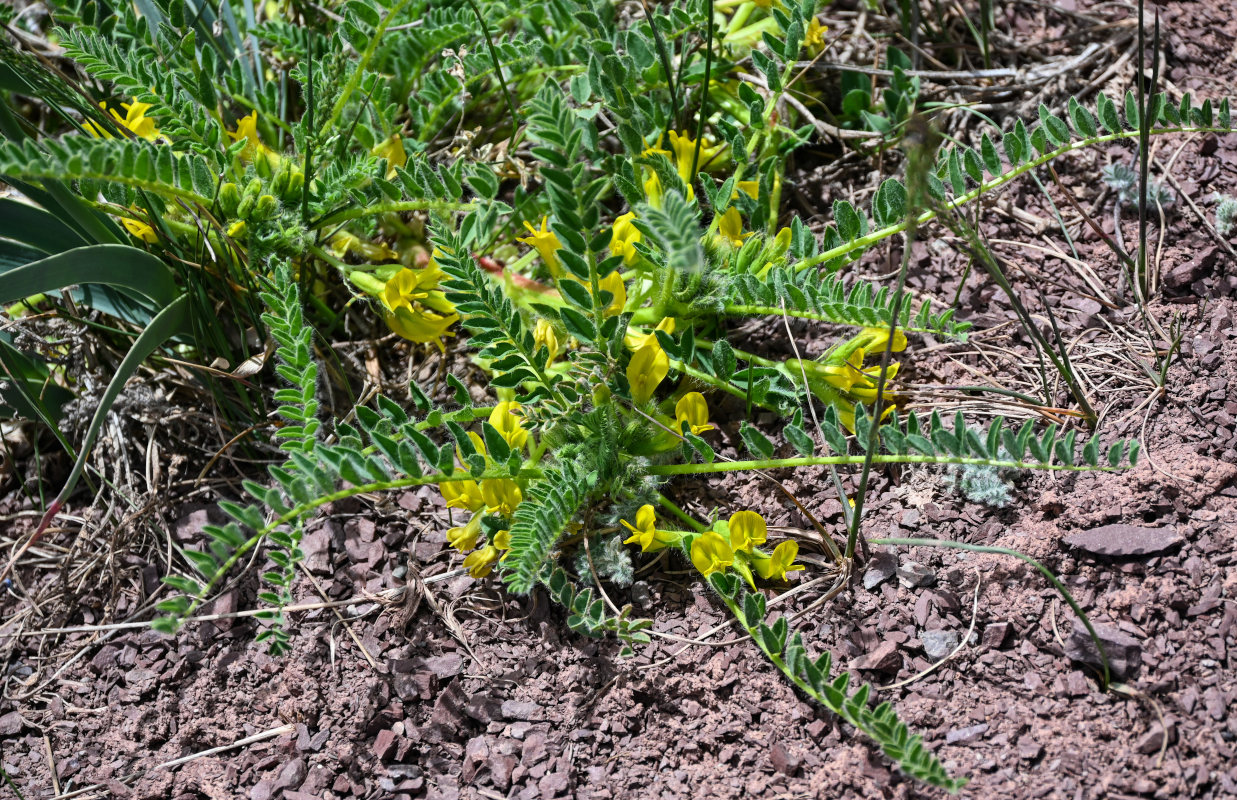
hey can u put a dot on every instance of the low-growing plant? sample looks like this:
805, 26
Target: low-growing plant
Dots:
300, 172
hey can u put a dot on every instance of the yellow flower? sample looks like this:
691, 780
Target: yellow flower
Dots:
544, 336
613, 283
624, 237
747, 529
409, 297
506, 419
392, 150
501, 495
693, 410
247, 129
814, 39
749, 188
464, 494
140, 229
465, 538
684, 147
865, 388
637, 340
545, 243
730, 227
422, 326
778, 564
648, 368
480, 562
502, 540
874, 339
645, 533
710, 553
135, 121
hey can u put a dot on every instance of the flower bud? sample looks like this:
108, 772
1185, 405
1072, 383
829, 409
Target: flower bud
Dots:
266, 207
229, 199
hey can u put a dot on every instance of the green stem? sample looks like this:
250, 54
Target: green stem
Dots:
393, 208
688, 519
774, 311
891, 458
489, 43
361, 66
863, 242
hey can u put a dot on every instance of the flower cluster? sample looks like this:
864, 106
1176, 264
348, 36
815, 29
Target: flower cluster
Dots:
730, 545
496, 496
547, 245
734, 546
416, 308
840, 377
134, 121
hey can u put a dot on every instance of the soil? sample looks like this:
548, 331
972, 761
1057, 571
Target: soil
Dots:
421, 682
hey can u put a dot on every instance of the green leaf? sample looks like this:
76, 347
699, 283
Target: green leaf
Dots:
1107, 111
724, 361
1084, 123
1055, 127
756, 441
992, 160
578, 325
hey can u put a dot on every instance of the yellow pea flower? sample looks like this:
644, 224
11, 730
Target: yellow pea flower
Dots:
747, 529
135, 121
648, 368
502, 540
778, 564
693, 410
140, 229
645, 533
613, 283
481, 562
416, 309
730, 227
422, 326
464, 538
545, 243
684, 147
247, 129
465, 494
624, 237
506, 418
544, 336
637, 340
814, 38
873, 339
710, 553
392, 150
501, 495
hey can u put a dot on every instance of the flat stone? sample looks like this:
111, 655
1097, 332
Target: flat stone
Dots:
515, 709
938, 644
966, 735
913, 575
292, 775
384, 744
1125, 541
885, 658
996, 635
1124, 651
11, 724
1029, 749
1151, 741
782, 760
880, 568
